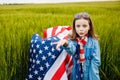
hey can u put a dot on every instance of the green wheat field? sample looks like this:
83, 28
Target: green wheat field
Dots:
19, 22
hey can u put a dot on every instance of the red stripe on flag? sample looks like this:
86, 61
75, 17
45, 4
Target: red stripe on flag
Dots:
67, 58
71, 63
45, 33
58, 74
54, 30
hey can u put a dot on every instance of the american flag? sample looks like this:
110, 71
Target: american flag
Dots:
47, 63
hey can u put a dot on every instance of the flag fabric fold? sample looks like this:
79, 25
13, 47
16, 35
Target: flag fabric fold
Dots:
47, 63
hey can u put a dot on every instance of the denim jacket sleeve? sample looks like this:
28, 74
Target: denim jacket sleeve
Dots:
71, 48
95, 62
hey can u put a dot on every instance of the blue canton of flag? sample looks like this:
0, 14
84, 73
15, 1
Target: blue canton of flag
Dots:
42, 56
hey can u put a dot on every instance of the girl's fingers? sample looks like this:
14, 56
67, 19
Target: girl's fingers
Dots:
58, 46
55, 43
59, 43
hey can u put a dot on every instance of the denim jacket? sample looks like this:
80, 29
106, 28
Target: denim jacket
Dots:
92, 56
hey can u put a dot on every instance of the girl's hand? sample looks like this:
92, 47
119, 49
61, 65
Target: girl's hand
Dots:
62, 42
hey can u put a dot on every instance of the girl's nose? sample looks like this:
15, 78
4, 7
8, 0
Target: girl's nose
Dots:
80, 28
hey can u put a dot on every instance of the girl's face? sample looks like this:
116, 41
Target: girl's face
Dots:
82, 27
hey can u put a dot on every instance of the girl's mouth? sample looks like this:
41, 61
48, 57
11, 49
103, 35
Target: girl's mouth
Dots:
81, 33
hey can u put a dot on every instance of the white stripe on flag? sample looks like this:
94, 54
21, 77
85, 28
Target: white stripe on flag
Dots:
58, 29
49, 32
63, 34
55, 66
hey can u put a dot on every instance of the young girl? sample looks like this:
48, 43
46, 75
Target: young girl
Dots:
83, 44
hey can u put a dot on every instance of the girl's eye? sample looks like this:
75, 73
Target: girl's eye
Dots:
78, 25
84, 26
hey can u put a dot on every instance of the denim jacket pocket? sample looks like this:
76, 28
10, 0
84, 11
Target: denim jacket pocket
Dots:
88, 53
